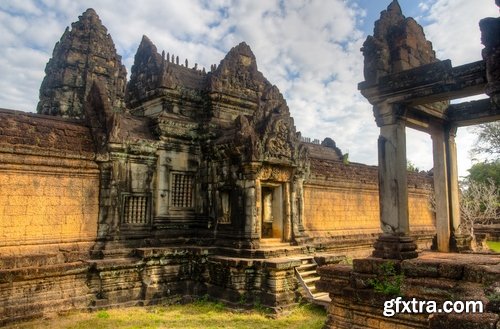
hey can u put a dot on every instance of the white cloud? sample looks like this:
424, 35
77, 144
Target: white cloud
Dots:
454, 29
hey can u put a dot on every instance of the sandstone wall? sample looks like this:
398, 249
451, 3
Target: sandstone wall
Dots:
342, 200
49, 184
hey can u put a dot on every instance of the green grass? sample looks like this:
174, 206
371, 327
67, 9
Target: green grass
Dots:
494, 245
196, 315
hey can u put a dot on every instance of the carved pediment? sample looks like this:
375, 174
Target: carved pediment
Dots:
278, 142
274, 173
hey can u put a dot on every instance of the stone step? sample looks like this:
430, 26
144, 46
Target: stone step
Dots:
305, 274
312, 279
307, 267
308, 276
118, 253
321, 295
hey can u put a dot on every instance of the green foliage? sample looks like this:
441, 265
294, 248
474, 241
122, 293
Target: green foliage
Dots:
494, 245
258, 307
389, 281
102, 315
410, 166
345, 158
195, 315
482, 172
493, 297
348, 261
243, 299
488, 140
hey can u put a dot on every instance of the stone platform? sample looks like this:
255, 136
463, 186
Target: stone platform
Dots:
431, 276
33, 287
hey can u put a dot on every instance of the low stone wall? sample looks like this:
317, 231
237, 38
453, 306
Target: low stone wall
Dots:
487, 232
342, 204
432, 276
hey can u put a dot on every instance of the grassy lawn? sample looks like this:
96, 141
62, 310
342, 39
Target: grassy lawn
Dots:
494, 245
195, 315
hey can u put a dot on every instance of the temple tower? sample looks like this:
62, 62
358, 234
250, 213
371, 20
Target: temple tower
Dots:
84, 55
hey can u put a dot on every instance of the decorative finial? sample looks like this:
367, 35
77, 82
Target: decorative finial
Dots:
186, 63
177, 60
168, 57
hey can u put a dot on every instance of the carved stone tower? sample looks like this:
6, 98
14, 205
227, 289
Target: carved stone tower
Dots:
84, 55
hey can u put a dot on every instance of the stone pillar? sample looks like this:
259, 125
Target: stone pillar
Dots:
454, 192
258, 208
287, 232
439, 142
251, 189
251, 226
395, 242
162, 187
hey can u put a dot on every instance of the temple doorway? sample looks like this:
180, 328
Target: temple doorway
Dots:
272, 211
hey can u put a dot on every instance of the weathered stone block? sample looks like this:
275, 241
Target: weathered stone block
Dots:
451, 270
463, 321
421, 269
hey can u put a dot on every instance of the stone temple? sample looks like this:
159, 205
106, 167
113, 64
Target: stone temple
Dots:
178, 183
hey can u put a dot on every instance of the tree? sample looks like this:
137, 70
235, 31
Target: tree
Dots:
483, 172
479, 204
410, 166
488, 140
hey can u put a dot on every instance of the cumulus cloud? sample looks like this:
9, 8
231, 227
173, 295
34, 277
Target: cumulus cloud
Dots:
308, 48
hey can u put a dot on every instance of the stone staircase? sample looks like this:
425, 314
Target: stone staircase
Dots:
307, 275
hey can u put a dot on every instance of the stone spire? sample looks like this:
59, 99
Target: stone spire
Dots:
85, 54
398, 43
238, 72
150, 72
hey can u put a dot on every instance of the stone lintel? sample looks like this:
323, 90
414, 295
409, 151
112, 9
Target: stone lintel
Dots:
428, 83
395, 247
473, 113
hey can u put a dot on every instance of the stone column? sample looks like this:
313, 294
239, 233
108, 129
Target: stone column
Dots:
251, 225
251, 189
439, 142
287, 218
258, 209
454, 203
395, 242
162, 187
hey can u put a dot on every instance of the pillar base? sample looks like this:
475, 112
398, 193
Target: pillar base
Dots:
390, 246
461, 243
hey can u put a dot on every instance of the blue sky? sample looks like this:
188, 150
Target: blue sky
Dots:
308, 48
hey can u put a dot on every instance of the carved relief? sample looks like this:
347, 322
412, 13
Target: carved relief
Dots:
276, 174
278, 143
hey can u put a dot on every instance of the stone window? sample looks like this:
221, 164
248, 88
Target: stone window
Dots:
136, 208
182, 190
